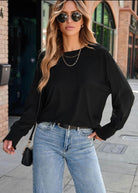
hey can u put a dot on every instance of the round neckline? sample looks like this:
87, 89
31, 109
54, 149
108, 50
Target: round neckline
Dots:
73, 51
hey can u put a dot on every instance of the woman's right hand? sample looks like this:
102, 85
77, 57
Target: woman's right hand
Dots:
7, 147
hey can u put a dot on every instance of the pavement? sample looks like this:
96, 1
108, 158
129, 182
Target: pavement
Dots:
118, 158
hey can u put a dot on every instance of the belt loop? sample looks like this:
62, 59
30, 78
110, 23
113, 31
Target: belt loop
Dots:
78, 128
53, 124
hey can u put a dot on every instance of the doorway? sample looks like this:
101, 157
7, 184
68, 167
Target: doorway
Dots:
24, 46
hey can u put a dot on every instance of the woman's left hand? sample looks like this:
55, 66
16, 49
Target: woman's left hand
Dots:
94, 136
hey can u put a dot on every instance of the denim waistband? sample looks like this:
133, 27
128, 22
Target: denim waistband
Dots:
56, 123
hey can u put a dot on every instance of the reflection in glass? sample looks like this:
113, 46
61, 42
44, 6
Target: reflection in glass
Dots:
99, 13
106, 17
103, 25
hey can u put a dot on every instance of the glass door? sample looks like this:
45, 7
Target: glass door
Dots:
22, 52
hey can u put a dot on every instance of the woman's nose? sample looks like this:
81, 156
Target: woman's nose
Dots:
69, 19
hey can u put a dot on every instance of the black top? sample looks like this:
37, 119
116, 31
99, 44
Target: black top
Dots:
76, 95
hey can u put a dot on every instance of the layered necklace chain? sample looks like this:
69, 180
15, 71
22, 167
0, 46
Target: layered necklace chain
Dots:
70, 65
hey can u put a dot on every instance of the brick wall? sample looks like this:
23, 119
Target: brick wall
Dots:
3, 59
123, 34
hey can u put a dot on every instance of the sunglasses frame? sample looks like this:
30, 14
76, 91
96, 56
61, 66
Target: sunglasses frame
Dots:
68, 16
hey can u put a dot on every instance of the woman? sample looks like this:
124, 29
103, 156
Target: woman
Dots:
75, 77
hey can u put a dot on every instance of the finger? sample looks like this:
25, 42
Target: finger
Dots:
92, 135
10, 151
4, 145
96, 137
9, 144
7, 147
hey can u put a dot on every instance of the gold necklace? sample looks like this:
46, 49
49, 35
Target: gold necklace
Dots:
70, 65
70, 56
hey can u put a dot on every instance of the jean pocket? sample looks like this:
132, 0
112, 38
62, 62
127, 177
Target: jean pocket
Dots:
85, 132
45, 126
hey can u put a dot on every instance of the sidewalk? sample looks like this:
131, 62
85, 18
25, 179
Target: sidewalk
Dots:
118, 157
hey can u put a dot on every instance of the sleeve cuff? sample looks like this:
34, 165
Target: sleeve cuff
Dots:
11, 135
106, 131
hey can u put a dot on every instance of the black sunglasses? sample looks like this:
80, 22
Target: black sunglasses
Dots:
76, 16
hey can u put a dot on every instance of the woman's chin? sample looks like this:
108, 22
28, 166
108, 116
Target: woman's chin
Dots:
70, 33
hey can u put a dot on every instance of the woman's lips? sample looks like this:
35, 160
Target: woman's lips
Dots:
69, 27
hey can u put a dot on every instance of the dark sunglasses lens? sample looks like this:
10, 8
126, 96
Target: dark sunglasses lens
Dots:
62, 17
76, 16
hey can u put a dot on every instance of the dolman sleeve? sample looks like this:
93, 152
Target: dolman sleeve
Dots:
122, 98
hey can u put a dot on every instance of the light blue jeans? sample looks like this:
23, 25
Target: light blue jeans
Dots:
52, 146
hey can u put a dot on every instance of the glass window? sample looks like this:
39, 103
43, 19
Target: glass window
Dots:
130, 39
136, 62
99, 33
94, 29
129, 63
99, 13
136, 59
133, 5
111, 42
106, 37
103, 25
106, 17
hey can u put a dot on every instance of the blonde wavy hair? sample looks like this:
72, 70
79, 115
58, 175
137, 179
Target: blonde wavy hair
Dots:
54, 41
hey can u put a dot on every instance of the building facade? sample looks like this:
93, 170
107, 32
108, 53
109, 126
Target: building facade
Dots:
115, 26
114, 23
3, 60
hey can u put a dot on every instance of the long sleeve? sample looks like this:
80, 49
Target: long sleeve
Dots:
22, 126
122, 98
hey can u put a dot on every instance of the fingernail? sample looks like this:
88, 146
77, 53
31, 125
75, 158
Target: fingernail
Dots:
89, 137
8, 146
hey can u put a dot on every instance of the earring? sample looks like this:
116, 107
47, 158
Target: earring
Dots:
82, 26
